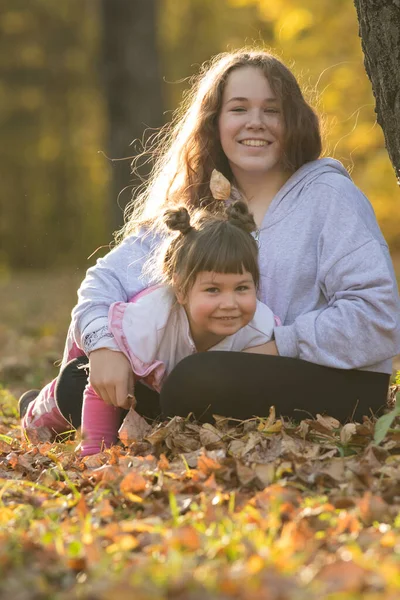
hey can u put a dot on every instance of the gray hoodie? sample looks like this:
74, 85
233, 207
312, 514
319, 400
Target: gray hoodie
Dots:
325, 270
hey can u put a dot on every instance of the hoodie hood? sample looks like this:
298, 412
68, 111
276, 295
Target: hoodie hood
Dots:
286, 200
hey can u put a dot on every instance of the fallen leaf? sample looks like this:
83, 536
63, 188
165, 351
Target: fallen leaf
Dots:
328, 422
134, 428
106, 473
220, 186
163, 463
132, 483
206, 464
187, 538
347, 433
209, 435
373, 508
245, 474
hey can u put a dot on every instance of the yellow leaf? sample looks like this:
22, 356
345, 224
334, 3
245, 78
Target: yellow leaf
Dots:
388, 540
133, 497
123, 543
254, 564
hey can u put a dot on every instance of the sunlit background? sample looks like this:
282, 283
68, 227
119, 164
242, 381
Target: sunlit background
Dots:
60, 89
56, 197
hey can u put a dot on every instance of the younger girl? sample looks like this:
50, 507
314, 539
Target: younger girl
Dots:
207, 302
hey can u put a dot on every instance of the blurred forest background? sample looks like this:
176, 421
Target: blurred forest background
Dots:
80, 80
64, 101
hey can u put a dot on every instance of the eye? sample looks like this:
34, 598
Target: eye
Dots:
272, 111
238, 109
242, 288
212, 290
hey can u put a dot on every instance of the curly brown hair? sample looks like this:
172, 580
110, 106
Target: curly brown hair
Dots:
187, 150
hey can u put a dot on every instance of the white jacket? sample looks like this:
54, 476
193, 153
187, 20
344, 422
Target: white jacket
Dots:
153, 332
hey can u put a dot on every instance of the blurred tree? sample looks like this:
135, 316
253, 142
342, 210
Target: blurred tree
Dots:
53, 181
131, 73
380, 38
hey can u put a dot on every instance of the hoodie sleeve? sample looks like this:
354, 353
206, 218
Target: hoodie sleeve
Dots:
359, 326
116, 277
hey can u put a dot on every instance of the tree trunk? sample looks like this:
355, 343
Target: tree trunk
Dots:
133, 88
379, 22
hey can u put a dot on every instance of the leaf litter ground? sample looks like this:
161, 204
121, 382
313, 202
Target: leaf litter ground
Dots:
263, 508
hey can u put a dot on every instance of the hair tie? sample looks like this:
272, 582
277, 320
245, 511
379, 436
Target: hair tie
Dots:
220, 186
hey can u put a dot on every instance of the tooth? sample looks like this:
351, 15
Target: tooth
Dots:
256, 143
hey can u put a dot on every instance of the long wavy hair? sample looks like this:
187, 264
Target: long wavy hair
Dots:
185, 151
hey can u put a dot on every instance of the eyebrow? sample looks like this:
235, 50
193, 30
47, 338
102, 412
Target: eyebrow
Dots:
247, 280
243, 99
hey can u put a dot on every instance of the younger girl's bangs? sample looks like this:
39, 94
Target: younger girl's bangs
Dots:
229, 250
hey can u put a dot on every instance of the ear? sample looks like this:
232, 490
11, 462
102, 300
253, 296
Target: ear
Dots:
180, 296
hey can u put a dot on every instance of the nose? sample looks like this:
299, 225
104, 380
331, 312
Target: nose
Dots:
255, 120
228, 301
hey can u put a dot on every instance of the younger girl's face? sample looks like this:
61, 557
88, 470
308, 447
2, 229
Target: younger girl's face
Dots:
251, 124
218, 305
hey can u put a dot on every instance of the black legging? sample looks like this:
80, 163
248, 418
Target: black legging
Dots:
70, 386
241, 386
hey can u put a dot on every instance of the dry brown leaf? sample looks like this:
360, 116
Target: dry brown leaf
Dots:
39, 435
328, 422
265, 473
347, 432
245, 474
265, 425
95, 460
303, 429
236, 448
373, 508
220, 186
192, 457
134, 428
254, 439
209, 435
182, 442
335, 469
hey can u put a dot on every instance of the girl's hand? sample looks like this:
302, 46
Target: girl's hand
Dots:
111, 376
268, 348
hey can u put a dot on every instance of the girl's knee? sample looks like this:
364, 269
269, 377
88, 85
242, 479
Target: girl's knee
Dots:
187, 386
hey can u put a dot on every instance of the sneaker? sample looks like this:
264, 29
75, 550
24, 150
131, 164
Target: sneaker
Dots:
25, 401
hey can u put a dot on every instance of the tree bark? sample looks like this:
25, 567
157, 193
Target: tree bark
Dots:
133, 88
379, 22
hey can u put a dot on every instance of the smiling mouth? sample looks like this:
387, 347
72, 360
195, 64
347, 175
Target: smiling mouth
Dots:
226, 318
255, 143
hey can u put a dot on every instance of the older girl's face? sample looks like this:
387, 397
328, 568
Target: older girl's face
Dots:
251, 124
